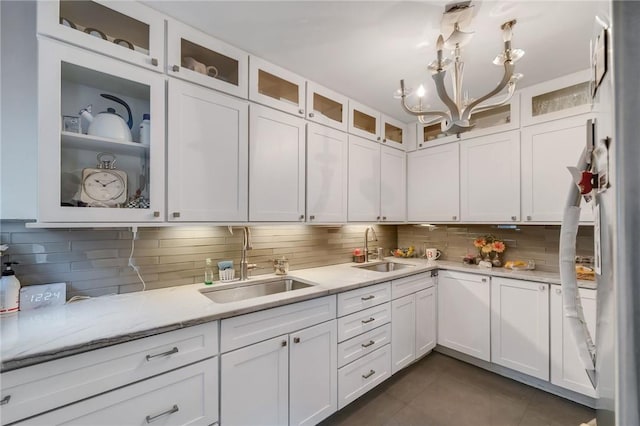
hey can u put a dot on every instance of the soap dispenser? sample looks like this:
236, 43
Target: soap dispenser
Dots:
9, 290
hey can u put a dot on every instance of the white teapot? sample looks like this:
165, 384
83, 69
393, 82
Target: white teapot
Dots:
108, 124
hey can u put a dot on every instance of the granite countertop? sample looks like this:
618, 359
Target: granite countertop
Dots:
41, 335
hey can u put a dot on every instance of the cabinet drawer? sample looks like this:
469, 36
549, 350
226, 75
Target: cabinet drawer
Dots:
361, 298
188, 395
411, 284
360, 322
464, 276
364, 344
361, 376
246, 329
49, 385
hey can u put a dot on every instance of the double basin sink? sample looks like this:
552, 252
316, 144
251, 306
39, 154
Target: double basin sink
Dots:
251, 289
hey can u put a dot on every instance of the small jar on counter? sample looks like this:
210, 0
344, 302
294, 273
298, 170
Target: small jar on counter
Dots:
281, 266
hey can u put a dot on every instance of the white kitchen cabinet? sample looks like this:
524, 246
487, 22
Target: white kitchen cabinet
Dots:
547, 150
393, 188
393, 132
364, 121
199, 58
129, 31
403, 332
70, 79
362, 375
490, 178
326, 107
464, 313
186, 396
567, 369
433, 184
207, 155
289, 379
520, 326
364, 180
425, 321
327, 178
363, 298
276, 87
276, 166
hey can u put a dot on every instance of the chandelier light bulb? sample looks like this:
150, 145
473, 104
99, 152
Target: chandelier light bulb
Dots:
507, 32
421, 91
440, 43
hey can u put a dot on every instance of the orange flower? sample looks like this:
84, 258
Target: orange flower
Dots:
498, 246
479, 242
487, 248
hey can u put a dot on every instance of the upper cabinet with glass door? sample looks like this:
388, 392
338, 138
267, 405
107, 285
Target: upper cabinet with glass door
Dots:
276, 87
394, 133
364, 121
327, 107
125, 30
197, 57
559, 98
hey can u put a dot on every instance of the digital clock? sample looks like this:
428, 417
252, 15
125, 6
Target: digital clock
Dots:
42, 295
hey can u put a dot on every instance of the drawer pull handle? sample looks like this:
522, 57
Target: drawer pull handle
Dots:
366, 345
283, 343
5, 400
296, 340
368, 321
167, 353
371, 296
369, 374
171, 410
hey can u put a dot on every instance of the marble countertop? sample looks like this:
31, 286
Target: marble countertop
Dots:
45, 334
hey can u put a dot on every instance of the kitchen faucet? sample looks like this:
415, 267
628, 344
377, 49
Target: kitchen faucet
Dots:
245, 267
366, 241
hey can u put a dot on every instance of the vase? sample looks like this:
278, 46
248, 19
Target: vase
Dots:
496, 261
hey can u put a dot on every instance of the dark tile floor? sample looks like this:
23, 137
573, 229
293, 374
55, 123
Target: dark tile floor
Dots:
440, 390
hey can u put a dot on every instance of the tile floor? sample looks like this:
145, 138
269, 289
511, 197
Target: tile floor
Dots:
440, 390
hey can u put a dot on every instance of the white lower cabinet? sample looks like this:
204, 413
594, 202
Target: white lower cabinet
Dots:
289, 379
359, 377
464, 313
520, 326
425, 321
403, 337
186, 396
567, 370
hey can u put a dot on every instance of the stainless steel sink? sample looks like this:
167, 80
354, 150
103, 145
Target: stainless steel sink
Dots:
249, 290
384, 266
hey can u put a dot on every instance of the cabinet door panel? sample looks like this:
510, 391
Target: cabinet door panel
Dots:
403, 332
276, 166
359, 377
490, 178
393, 189
433, 184
324, 106
364, 180
313, 374
425, 321
364, 121
208, 145
327, 184
254, 384
276, 87
393, 133
520, 326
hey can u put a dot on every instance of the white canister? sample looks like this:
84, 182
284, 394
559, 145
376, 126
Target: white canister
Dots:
145, 129
9, 291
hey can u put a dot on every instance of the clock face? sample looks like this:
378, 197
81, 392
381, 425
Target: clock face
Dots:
104, 186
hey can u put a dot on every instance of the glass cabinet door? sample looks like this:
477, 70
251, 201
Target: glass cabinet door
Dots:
276, 87
327, 107
197, 57
128, 31
100, 138
364, 121
394, 133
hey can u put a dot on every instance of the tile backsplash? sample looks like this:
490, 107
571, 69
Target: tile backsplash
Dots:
537, 242
94, 262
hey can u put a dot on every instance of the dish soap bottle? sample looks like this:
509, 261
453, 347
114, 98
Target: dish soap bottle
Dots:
208, 272
9, 290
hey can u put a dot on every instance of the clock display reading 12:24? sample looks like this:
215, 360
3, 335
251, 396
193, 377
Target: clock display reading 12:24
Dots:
42, 295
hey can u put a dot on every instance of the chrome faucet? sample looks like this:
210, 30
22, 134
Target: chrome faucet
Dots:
366, 241
245, 267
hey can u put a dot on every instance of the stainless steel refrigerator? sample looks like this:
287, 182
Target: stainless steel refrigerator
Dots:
613, 363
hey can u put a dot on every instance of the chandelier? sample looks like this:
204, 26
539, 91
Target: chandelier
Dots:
460, 107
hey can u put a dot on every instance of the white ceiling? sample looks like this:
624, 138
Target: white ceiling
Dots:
362, 48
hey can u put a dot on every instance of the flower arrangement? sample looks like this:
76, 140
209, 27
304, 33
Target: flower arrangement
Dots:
490, 248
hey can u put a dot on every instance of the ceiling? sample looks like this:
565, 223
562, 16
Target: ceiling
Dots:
362, 48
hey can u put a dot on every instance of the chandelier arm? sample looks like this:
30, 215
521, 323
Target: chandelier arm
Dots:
428, 122
507, 98
508, 72
438, 78
440, 114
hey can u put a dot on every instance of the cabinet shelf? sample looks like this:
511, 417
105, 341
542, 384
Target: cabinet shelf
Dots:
97, 143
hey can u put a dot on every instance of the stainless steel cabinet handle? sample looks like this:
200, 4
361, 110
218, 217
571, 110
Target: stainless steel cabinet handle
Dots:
514, 217
558, 291
301, 111
175, 68
171, 410
366, 345
543, 287
296, 340
156, 214
283, 343
369, 374
176, 214
384, 218
154, 62
368, 321
484, 280
301, 217
378, 137
377, 217
5, 400
369, 297
528, 217
167, 353
311, 115
454, 217
384, 140
420, 145
312, 217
